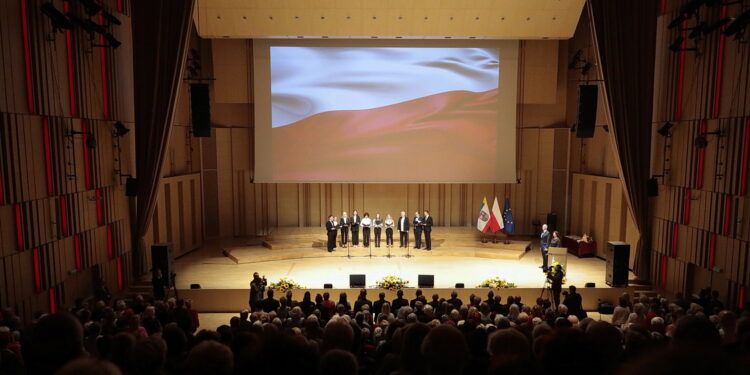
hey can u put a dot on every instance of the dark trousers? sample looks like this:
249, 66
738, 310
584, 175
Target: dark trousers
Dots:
428, 239
331, 240
377, 236
417, 238
556, 296
389, 236
344, 236
403, 239
355, 236
544, 257
366, 236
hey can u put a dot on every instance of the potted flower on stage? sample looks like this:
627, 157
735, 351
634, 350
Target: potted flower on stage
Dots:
285, 284
392, 283
496, 283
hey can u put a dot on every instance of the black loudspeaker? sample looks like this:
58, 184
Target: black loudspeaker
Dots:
161, 257
357, 281
327, 286
201, 110
552, 221
459, 285
131, 187
653, 187
426, 281
618, 255
195, 286
586, 114
590, 285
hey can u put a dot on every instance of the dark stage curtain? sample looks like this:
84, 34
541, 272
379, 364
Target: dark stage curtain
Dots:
161, 31
625, 34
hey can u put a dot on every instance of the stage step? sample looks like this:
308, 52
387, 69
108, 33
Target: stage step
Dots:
280, 244
262, 254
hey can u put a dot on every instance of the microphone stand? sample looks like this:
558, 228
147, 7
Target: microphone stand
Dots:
369, 243
348, 244
386, 242
408, 255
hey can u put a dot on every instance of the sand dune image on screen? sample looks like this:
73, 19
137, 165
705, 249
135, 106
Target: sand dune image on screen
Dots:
371, 114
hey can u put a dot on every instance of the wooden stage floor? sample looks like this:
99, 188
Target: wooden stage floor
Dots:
229, 264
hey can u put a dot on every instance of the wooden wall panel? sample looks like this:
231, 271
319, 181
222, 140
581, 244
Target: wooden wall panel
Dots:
44, 175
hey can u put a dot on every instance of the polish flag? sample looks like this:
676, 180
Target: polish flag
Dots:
484, 216
496, 217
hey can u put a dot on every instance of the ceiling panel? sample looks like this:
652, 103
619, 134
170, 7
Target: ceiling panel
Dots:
480, 19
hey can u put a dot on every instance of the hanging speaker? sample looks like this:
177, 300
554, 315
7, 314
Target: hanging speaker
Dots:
586, 114
201, 110
652, 187
131, 187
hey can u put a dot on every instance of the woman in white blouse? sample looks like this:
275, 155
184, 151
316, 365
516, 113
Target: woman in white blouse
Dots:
366, 224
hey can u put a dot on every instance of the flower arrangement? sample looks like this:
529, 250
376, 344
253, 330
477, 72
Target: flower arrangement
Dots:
553, 270
285, 284
496, 283
392, 283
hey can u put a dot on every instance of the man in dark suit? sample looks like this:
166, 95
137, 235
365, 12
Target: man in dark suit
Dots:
331, 229
354, 222
544, 246
427, 228
269, 304
417, 230
378, 305
361, 301
403, 230
419, 297
399, 302
574, 302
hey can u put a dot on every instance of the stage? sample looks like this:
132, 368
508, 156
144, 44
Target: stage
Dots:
224, 268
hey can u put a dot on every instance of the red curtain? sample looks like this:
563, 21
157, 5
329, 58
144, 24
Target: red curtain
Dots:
161, 31
625, 35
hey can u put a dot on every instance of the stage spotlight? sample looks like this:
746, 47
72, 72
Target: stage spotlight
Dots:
664, 130
586, 68
111, 19
92, 7
112, 41
120, 130
84, 24
691, 7
676, 46
677, 21
700, 142
59, 21
716, 25
697, 31
738, 26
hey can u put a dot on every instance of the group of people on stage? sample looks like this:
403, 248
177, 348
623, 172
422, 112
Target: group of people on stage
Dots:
421, 224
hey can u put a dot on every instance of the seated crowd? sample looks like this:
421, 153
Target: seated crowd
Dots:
648, 335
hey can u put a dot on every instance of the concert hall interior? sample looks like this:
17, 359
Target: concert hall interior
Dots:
536, 149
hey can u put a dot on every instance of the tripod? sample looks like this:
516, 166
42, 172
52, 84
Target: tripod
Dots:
546, 288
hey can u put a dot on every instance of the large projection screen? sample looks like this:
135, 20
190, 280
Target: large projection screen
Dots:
385, 111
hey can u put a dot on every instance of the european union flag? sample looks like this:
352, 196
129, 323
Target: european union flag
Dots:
510, 227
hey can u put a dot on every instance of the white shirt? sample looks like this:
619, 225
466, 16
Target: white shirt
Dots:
366, 222
401, 223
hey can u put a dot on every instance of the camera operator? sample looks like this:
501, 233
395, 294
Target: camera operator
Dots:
555, 276
257, 290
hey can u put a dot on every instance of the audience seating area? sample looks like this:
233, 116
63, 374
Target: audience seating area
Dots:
426, 335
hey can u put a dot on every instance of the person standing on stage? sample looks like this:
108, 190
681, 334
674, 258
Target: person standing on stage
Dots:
331, 230
389, 224
366, 224
344, 224
417, 230
544, 246
403, 230
378, 224
427, 228
555, 241
257, 290
355, 222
